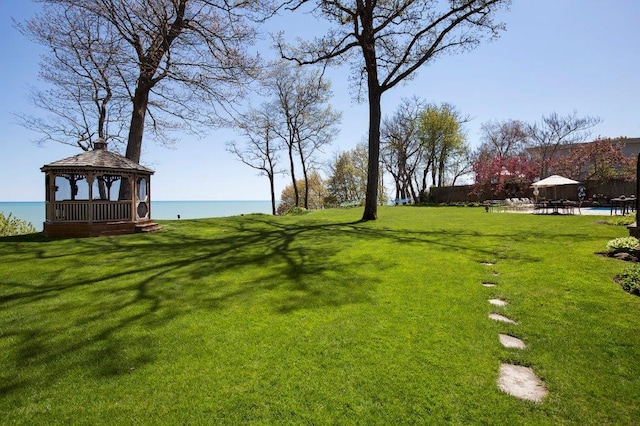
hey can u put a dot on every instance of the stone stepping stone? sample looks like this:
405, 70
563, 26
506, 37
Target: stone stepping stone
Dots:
521, 382
486, 263
501, 318
488, 284
511, 342
498, 302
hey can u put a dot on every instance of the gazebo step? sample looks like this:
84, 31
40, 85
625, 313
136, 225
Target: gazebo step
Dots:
147, 227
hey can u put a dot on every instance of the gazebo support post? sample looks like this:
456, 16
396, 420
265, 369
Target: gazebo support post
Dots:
89, 178
132, 190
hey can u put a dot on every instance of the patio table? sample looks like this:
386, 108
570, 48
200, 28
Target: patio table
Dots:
625, 205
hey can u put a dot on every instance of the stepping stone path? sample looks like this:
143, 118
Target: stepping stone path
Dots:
511, 342
521, 382
501, 318
515, 380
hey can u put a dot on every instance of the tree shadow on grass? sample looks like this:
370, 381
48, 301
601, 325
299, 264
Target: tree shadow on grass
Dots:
95, 306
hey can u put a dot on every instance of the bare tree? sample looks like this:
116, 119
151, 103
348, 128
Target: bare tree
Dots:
261, 147
554, 131
308, 121
401, 150
388, 41
84, 102
503, 138
422, 140
459, 164
181, 63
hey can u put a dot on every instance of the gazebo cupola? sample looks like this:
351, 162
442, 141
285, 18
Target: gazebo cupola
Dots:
97, 193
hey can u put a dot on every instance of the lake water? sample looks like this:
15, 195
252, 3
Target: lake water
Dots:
33, 211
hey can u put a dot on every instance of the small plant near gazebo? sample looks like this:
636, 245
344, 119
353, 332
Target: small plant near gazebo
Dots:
11, 225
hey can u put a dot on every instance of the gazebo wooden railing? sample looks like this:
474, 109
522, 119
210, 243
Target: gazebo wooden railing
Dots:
89, 211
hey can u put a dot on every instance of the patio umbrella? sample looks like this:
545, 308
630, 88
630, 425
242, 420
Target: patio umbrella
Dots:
554, 181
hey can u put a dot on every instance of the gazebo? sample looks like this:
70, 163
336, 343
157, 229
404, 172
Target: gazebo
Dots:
97, 193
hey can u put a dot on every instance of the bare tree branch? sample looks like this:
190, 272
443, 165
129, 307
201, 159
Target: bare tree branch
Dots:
181, 62
387, 42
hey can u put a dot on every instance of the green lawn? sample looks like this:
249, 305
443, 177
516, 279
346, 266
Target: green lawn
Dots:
319, 319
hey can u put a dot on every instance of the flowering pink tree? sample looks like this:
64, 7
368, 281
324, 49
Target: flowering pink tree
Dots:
601, 160
498, 174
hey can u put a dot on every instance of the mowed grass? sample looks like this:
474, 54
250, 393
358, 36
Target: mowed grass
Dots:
319, 319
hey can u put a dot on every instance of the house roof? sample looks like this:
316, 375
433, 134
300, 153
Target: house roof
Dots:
97, 159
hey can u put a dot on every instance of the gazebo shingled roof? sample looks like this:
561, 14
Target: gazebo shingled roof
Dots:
97, 159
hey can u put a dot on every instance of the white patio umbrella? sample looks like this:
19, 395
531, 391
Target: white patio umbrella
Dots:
553, 181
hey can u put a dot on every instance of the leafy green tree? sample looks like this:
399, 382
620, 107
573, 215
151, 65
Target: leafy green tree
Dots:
348, 179
442, 140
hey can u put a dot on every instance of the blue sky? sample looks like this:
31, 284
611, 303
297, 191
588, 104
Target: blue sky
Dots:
556, 55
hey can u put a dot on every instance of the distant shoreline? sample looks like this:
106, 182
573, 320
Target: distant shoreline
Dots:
34, 212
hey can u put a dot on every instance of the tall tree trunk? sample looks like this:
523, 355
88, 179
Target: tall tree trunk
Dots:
434, 173
136, 128
272, 188
271, 175
424, 187
149, 63
306, 187
441, 167
375, 116
293, 175
136, 131
304, 172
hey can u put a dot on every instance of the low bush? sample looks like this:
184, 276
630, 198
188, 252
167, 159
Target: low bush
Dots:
621, 220
10, 225
630, 279
622, 244
293, 211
